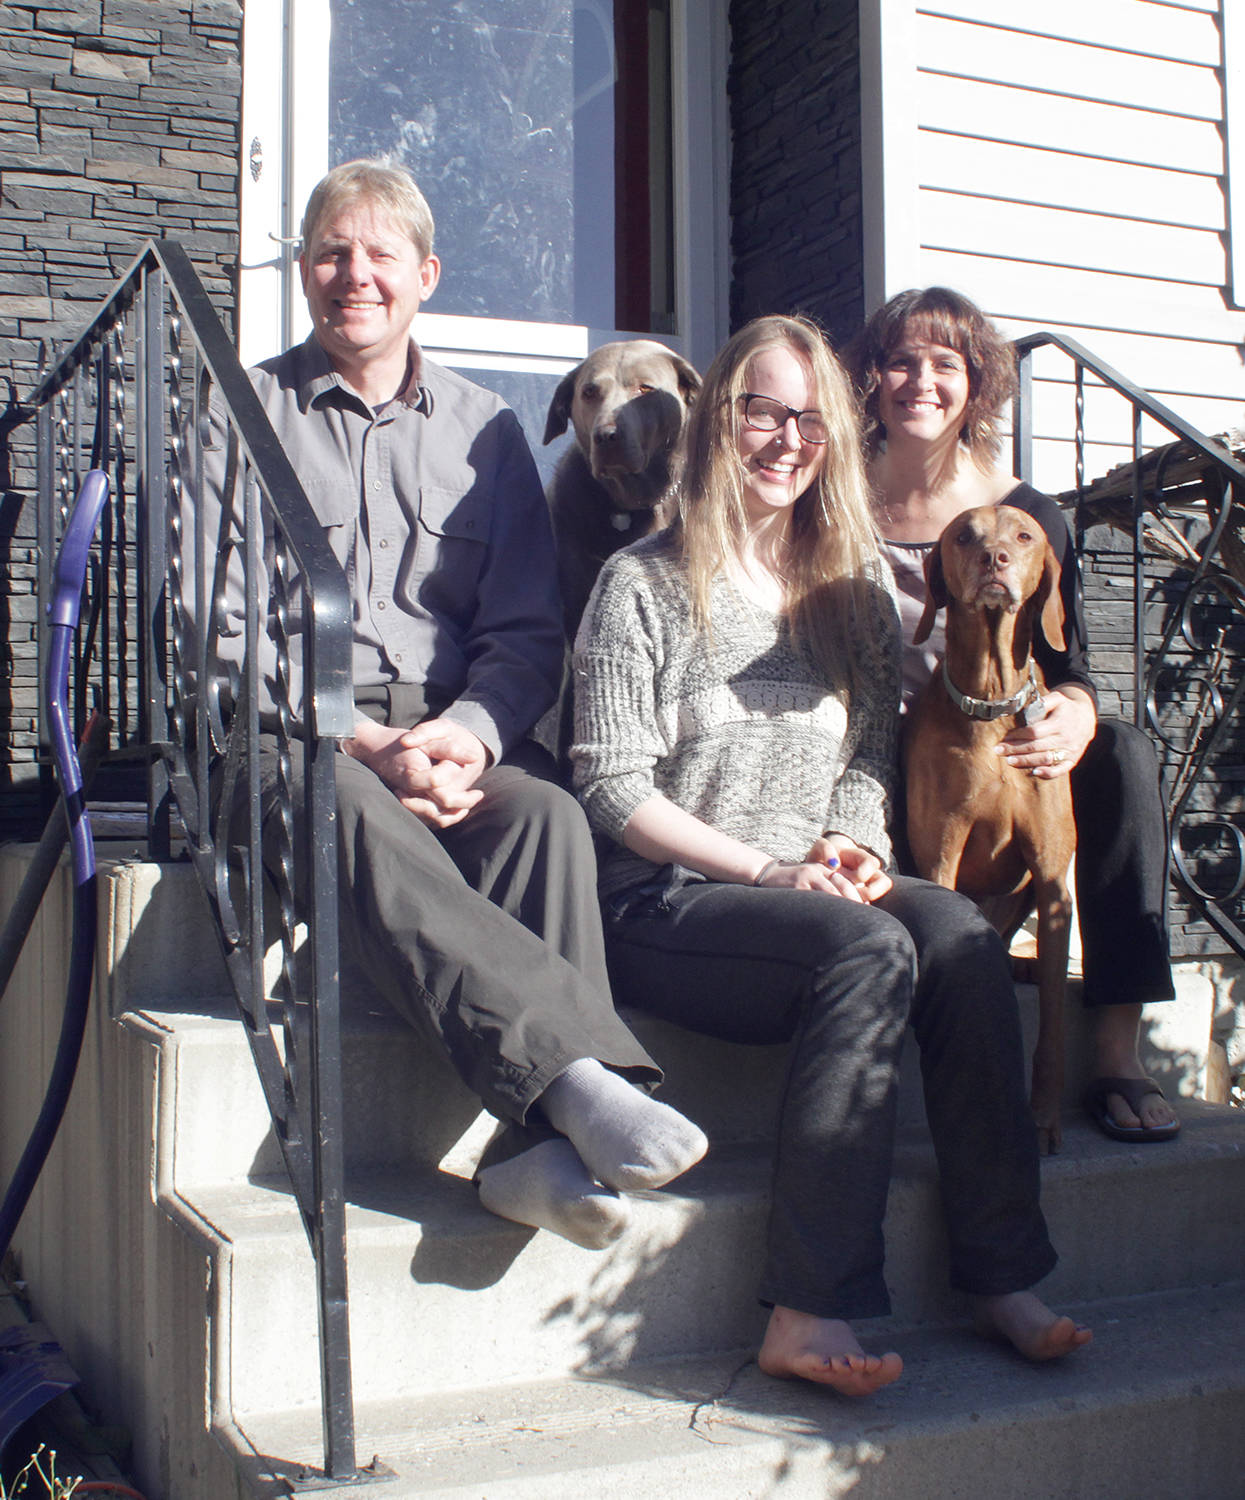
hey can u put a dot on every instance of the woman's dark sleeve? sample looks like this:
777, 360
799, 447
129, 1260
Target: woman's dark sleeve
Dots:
1071, 664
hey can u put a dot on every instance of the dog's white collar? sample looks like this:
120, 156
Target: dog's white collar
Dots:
1028, 699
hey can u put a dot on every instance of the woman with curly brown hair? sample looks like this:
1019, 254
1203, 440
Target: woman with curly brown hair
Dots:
737, 689
933, 376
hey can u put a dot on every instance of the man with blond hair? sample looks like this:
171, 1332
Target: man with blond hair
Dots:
467, 874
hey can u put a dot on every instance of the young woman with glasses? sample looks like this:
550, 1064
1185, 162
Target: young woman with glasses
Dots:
737, 686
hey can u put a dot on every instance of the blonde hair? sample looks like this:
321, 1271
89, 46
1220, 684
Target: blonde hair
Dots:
378, 183
833, 542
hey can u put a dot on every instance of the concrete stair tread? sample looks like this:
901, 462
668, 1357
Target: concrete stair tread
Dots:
385, 1199
424, 1256
1127, 1415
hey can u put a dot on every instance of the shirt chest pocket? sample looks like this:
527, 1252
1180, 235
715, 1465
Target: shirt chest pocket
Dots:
335, 500
451, 545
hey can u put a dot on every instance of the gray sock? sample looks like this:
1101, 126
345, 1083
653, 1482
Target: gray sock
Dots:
548, 1187
626, 1140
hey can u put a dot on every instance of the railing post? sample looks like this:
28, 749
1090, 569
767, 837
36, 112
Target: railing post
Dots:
45, 510
1139, 578
327, 1109
153, 543
1022, 418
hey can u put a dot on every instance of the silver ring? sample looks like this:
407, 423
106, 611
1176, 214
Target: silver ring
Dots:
1056, 756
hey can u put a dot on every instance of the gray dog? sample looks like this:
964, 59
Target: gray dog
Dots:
627, 403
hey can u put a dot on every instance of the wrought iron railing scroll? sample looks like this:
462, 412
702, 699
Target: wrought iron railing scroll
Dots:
211, 577
1180, 499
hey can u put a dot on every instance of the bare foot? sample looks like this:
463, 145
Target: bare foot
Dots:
825, 1350
1026, 1322
1115, 1045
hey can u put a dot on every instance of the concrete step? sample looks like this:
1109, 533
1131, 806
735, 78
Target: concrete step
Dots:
425, 1258
1152, 1409
170, 1261
404, 1105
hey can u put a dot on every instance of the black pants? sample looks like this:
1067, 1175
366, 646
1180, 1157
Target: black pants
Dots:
841, 980
486, 935
1121, 868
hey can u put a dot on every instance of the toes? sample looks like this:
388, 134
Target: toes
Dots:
1062, 1337
1117, 1107
850, 1374
1156, 1113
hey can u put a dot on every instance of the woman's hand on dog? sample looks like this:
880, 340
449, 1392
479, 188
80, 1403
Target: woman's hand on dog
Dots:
1053, 745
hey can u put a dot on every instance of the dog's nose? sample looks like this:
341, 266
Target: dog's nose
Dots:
604, 436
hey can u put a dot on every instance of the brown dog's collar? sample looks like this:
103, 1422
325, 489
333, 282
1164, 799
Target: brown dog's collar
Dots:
996, 708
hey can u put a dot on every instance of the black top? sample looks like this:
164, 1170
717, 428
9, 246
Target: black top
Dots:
1071, 664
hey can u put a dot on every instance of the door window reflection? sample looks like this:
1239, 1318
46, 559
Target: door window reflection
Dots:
547, 174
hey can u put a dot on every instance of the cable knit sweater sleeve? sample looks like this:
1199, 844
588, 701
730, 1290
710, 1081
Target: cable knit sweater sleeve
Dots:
635, 607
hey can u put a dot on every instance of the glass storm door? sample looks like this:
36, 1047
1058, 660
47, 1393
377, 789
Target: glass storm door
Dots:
553, 140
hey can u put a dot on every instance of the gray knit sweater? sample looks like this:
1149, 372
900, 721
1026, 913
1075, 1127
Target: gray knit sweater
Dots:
742, 731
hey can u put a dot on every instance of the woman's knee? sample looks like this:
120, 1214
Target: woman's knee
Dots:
875, 952
1119, 755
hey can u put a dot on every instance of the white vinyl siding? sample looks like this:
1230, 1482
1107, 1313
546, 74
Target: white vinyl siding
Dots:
1069, 172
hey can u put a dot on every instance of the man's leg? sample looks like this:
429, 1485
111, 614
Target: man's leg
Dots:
527, 848
521, 1021
511, 1012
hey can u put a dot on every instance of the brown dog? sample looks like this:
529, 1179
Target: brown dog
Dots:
976, 824
627, 403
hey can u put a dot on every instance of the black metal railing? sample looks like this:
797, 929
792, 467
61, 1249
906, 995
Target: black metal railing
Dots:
217, 642
1179, 499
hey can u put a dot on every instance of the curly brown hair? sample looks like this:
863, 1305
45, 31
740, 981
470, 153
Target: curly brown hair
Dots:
950, 319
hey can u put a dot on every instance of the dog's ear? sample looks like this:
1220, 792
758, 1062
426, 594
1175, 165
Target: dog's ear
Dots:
689, 380
560, 406
935, 594
1050, 615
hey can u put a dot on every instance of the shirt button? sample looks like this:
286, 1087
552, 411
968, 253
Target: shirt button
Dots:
384, 542
380, 604
376, 484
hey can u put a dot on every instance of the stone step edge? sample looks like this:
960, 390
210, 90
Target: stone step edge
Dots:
264, 1207
958, 1392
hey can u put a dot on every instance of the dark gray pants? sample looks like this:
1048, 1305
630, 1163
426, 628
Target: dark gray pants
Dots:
486, 935
841, 980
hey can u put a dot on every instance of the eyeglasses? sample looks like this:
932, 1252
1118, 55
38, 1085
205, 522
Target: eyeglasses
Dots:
764, 414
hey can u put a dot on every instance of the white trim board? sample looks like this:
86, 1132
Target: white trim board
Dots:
888, 131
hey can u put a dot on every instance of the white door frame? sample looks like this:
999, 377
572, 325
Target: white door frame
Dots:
888, 149
285, 77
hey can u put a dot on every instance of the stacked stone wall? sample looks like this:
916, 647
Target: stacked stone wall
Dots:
795, 177
119, 121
